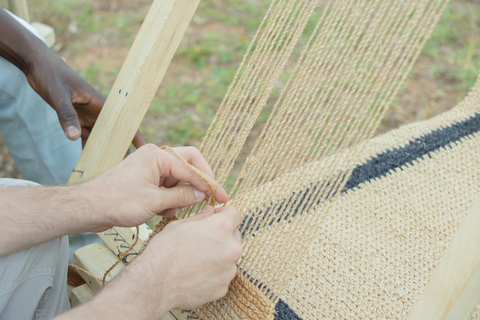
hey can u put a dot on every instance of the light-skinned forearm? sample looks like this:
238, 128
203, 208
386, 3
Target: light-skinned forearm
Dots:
136, 293
33, 215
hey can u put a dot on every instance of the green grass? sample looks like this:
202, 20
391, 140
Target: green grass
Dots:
208, 57
455, 45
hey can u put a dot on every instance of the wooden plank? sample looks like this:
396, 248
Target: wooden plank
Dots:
169, 316
184, 315
133, 91
122, 113
454, 288
19, 8
46, 32
80, 295
120, 239
135, 86
96, 259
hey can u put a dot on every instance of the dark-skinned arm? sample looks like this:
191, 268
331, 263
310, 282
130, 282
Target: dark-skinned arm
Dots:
76, 102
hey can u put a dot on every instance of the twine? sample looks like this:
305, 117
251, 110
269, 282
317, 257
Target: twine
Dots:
355, 61
213, 188
121, 256
162, 223
158, 227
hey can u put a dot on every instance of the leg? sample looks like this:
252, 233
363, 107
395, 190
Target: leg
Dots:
31, 131
33, 281
35, 139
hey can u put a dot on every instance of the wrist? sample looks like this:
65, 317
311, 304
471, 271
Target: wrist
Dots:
139, 289
92, 210
75, 206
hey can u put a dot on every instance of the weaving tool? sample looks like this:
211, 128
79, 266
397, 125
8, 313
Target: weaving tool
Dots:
350, 68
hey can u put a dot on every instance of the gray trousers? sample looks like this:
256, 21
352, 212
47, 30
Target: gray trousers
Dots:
33, 282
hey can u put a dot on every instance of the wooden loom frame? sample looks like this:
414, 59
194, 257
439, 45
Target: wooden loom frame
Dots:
453, 291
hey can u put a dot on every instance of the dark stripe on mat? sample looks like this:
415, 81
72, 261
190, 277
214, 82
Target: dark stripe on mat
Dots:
284, 312
389, 160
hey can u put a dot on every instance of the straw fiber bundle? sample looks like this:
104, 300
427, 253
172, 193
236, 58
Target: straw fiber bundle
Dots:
394, 220
318, 241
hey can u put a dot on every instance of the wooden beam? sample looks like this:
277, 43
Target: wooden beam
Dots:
19, 8
46, 32
131, 95
120, 239
454, 288
135, 86
96, 258
80, 295
133, 91
121, 116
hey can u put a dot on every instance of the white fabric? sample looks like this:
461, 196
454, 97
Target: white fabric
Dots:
27, 25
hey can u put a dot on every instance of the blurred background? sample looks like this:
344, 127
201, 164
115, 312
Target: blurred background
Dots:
94, 37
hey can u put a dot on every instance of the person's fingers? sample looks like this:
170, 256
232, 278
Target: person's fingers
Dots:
170, 165
68, 118
193, 156
230, 213
220, 194
169, 213
85, 94
179, 197
138, 140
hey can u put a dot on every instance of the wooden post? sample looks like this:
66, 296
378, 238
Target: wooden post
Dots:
454, 288
96, 258
135, 86
131, 95
19, 8
133, 91
81, 295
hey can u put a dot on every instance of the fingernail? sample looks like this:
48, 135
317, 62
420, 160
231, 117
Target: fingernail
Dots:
199, 194
72, 132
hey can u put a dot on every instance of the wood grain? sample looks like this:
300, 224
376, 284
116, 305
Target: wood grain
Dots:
132, 93
80, 295
19, 8
454, 288
135, 87
96, 258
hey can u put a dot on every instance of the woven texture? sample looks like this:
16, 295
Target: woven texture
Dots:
380, 243
353, 63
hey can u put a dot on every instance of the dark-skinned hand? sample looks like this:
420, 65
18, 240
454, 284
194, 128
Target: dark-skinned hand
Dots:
76, 102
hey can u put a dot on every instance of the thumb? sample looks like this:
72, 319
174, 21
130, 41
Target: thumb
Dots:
180, 196
68, 118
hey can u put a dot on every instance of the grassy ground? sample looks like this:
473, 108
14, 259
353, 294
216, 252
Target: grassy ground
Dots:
94, 37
